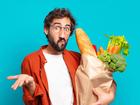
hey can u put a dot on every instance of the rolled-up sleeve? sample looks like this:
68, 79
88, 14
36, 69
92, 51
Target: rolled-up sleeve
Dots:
27, 97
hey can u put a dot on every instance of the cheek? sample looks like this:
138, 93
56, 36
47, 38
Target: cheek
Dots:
53, 38
67, 37
50, 35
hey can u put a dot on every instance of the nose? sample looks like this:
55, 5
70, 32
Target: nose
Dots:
62, 34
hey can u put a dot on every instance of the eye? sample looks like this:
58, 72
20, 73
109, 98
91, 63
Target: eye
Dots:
67, 29
57, 27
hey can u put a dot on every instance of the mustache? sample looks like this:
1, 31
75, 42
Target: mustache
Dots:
61, 39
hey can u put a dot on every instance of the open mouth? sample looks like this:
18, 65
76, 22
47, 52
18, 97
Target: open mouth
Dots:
62, 43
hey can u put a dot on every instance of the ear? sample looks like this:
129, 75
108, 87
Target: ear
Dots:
46, 31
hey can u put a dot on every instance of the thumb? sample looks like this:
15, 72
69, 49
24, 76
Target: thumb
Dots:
97, 91
97, 103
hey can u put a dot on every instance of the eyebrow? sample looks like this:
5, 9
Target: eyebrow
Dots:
68, 25
56, 23
60, 24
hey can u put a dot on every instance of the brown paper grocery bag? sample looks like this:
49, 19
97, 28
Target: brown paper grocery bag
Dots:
90, 74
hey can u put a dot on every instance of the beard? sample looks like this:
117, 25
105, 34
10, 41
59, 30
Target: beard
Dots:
60, 45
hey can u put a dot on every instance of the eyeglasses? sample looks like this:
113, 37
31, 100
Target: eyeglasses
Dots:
58, 28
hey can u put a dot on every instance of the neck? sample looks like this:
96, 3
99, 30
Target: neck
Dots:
51, 50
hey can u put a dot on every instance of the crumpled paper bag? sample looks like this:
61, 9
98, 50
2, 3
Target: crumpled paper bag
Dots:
91, 73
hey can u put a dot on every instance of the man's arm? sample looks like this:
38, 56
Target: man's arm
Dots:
23, 79
31, 90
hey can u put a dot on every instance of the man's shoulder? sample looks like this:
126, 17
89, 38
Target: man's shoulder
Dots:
74, 54
33, 55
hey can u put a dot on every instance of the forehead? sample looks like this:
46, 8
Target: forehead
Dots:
63, 21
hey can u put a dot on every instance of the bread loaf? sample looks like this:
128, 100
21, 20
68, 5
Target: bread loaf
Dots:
84, 43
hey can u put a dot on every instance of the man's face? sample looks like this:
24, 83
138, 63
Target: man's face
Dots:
58, 33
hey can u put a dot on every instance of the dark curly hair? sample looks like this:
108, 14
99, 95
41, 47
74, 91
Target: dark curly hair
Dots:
59, 13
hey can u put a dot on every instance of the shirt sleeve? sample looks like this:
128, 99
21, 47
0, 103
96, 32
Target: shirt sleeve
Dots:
27, 97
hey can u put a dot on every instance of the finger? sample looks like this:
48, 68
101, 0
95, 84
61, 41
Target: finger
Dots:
97, 103
21, 83
12, 77
98, 91
30, 79
26, 81
15, 85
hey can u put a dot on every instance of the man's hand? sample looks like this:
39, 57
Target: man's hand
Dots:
104, 98
23, 79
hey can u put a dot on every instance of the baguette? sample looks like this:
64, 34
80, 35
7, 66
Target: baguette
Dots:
84, 43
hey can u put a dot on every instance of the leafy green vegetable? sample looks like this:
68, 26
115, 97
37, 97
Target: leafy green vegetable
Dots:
114, 62
118, 41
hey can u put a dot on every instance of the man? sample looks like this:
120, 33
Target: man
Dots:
48, 75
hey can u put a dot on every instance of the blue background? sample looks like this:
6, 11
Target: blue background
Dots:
21, 32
